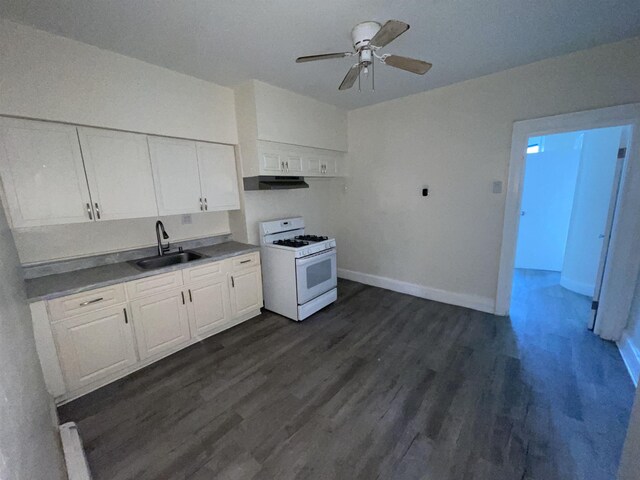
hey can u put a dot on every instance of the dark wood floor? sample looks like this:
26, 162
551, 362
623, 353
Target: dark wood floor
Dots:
378, 385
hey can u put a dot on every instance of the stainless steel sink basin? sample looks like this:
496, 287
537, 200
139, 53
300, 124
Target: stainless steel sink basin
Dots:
151, 263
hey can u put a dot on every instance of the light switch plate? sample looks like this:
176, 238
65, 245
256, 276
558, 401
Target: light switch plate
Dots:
497, 186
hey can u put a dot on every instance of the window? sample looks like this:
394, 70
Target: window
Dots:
534, 148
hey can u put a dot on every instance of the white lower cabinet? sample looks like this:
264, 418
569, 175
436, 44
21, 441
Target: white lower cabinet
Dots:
97, 342
94, 345
161, 322
209, 309
246, 291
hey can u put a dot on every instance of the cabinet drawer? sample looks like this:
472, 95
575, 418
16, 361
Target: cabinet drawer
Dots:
245, 261
86, 302
203, 272
155, 284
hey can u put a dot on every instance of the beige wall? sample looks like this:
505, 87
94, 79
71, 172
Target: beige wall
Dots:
29, 440
457, 140
50, 77
315, 204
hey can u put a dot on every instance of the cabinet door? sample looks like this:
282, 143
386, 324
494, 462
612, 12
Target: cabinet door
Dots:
218, 177
270, 163
119, 174
42, 174
330, 166
246, 291
94, 346
209, 309
175, 173
293, 164
161, 323
312, 165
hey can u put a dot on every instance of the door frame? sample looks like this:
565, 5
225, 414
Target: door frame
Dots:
623, 262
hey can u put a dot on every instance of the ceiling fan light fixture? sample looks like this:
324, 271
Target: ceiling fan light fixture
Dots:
368, 38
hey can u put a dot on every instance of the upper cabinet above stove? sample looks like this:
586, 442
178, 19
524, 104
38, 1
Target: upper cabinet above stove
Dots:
286, 134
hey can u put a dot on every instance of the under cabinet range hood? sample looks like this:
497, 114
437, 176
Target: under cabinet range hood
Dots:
265, 182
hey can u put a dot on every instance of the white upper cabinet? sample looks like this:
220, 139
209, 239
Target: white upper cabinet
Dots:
218, 178
272, 115
42, 174
176, 176
59, 174
119, 174
294, 160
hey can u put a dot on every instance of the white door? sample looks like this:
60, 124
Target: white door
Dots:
606, 236
175, 173
161, 322
218, 177
94, 345
547, 201
119, 174
42, 174
246, 291
209, 308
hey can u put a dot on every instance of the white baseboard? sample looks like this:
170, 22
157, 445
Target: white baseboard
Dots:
474, 302
631, 355
579, 287
77, 466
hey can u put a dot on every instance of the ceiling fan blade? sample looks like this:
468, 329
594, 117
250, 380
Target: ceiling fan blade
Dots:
325, 56
389, 32
351, 77
409, 64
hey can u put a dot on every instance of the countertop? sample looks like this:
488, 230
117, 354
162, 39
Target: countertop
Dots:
62, 284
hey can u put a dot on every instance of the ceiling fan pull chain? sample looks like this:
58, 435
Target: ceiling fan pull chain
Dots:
373, 76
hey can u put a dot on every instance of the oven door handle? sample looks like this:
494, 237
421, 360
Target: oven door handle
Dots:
300, 262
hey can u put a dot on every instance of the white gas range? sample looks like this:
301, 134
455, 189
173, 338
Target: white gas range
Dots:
299, 271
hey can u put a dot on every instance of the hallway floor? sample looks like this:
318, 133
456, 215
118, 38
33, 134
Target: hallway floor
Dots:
378, 385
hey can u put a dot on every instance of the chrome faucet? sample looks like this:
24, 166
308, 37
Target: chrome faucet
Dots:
161, 248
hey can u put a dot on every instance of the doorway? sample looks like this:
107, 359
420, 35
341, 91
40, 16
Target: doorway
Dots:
612, 289
568, 203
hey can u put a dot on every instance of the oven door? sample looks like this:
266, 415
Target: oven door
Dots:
316, 274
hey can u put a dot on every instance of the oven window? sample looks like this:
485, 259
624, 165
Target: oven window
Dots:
318, 273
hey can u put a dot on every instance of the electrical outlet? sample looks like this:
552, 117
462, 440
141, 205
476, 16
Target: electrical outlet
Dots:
186, 220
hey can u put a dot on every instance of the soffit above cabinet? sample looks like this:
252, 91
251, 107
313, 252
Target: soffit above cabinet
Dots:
277, 115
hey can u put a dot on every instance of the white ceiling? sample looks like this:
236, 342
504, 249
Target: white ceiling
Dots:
231, 41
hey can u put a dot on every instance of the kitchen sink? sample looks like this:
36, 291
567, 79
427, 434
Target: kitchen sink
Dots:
168, 259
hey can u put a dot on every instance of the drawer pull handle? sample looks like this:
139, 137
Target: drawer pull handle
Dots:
89, 302
245, 261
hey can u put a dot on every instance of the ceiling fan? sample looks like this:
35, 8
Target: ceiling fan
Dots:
368, 39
